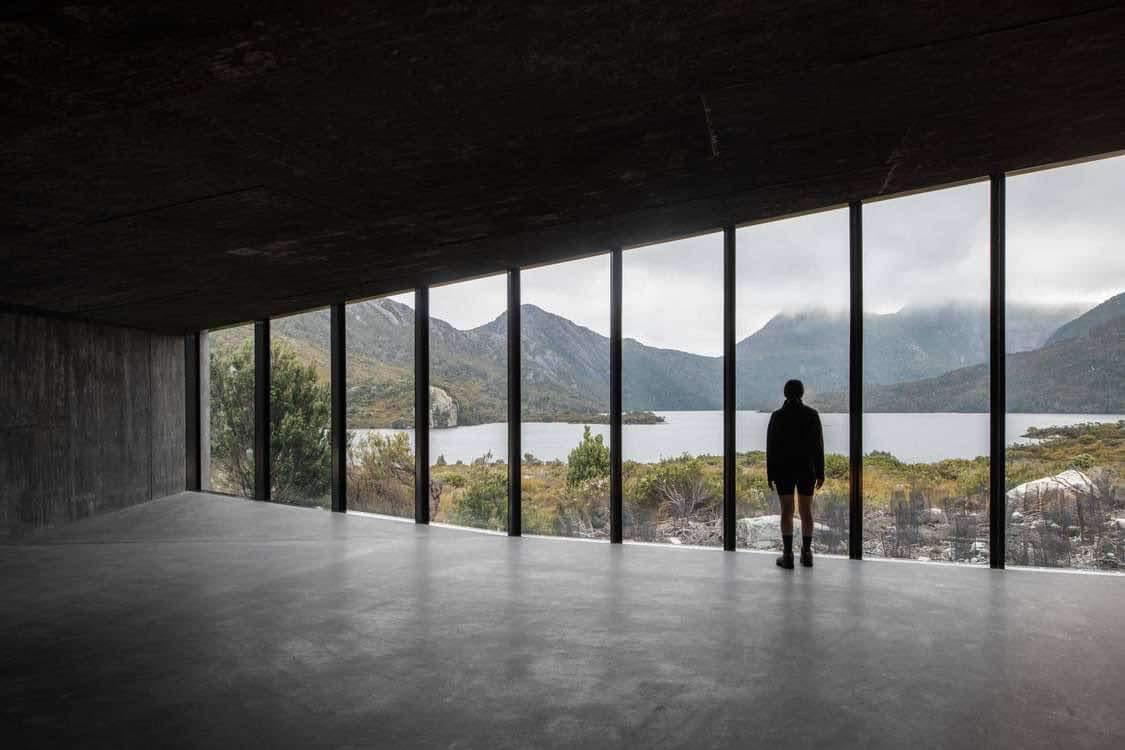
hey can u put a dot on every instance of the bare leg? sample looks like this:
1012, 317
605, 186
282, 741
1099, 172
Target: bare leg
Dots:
786, 559
804, 505
787, 514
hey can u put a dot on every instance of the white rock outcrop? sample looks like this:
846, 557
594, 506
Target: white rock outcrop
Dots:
443, 409
1036, 495
764, 532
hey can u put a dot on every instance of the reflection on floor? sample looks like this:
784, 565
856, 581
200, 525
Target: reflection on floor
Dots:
200, 620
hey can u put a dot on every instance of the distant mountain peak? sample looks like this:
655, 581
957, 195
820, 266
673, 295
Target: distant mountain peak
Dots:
1112, 308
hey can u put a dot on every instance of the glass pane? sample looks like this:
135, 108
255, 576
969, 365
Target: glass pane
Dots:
565, 386
925, 375
230, 446
380, 405
672, 391
301, 409
469, 403
792, 302
1066, 367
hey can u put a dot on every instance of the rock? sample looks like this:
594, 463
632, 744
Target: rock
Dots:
764, 532
1119, 523
1051, 493
443, 409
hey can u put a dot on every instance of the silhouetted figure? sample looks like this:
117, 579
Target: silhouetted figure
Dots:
795, 462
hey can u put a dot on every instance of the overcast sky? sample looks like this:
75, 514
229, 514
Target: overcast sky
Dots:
1065, 235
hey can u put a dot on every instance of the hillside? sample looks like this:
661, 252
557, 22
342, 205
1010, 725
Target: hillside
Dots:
911, 344
913, 358
1114, 307
1082, 375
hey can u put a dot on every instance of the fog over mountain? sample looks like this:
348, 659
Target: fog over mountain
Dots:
915, 359
1081, 374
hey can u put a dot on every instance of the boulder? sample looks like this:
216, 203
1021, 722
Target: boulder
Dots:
443, 409
764, 532
1061, 491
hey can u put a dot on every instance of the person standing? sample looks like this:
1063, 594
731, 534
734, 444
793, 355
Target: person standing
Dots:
795, 465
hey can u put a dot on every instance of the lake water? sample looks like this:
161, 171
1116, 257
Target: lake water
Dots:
911, 437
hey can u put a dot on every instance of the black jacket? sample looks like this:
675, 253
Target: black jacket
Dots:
794, 443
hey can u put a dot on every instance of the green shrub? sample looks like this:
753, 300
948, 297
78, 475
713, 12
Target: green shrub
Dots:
836, 466
589, 460
1082, 461
484, 502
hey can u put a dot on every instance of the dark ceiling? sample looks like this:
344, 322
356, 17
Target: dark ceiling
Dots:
180, 165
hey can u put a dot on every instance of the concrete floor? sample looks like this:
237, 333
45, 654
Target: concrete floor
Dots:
203, 621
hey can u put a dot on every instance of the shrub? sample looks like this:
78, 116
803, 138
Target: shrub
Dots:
589, 460
836, 466
484, 502
1082, 461
678, 487
381, 475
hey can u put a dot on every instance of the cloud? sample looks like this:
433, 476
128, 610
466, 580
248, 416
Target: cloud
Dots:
1065, 244
792, 264
672, 294
1066, 233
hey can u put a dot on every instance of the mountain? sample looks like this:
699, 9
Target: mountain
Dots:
1078, 375
1029, 327
1114, 307
566, 366
911, 344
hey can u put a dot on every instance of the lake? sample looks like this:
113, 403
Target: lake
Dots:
911, 437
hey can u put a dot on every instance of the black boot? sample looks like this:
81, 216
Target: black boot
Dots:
806, 551
786, 559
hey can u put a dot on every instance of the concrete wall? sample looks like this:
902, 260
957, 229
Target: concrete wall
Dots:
91, 419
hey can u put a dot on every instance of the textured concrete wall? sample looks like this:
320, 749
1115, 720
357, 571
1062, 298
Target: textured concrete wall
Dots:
91, 419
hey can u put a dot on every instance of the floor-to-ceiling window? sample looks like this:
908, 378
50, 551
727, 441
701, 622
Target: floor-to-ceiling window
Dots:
925, 374
564, 366
792, 302
469, 403
230, 410
380, 404
301, 409
672, 391
1065, 322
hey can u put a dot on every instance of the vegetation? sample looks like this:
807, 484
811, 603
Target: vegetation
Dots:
381, 475
932, 510
590, 460
232, 419
300, 408
1078, 520
915, 361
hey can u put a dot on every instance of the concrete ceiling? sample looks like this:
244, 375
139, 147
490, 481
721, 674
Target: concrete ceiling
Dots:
182, 165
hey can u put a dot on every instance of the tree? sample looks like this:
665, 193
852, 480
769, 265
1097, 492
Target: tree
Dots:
589, 460
232, 420
300, 413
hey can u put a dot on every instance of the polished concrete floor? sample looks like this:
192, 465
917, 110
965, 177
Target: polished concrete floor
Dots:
203, 621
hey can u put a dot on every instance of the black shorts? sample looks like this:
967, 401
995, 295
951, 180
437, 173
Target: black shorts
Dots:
786, 486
